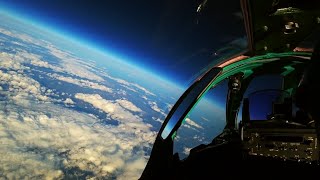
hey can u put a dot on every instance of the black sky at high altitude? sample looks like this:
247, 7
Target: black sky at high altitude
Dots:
160, 35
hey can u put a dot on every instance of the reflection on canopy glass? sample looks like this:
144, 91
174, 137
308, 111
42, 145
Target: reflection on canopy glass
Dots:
190, 97
204, 123
265, 104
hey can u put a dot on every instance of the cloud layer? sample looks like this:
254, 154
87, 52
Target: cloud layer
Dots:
43, 139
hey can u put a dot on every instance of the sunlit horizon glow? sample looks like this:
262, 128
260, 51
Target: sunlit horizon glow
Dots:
91, 46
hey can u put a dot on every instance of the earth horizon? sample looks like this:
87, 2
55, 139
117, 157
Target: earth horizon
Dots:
67, 111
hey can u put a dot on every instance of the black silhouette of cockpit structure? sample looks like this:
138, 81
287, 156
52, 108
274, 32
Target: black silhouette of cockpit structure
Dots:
283, 143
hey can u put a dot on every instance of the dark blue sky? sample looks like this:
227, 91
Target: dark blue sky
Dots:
162, 36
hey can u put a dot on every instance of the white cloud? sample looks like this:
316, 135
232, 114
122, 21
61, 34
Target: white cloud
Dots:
155, 107
128, 105
121, 92
192, 123
21, 85
82, 83
129, 88
68, 63
120, 81
144, 97
169, 106
200, 138
7, 62
6, 32
115, 111
23, 37
205, 119
15, 61
73, 65
186, 150
143, 89
36, 61
158, 119
128, 85
68, 101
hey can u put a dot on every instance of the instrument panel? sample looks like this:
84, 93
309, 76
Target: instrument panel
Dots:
286, 143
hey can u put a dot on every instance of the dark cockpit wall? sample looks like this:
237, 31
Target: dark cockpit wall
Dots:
269, 91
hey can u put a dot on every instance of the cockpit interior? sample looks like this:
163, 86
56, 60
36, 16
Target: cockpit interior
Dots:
257, 126
273, 131
265, 129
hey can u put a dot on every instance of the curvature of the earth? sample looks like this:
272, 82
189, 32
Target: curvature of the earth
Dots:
67, 111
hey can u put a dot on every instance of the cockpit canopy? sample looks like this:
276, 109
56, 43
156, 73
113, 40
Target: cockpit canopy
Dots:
267, 93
